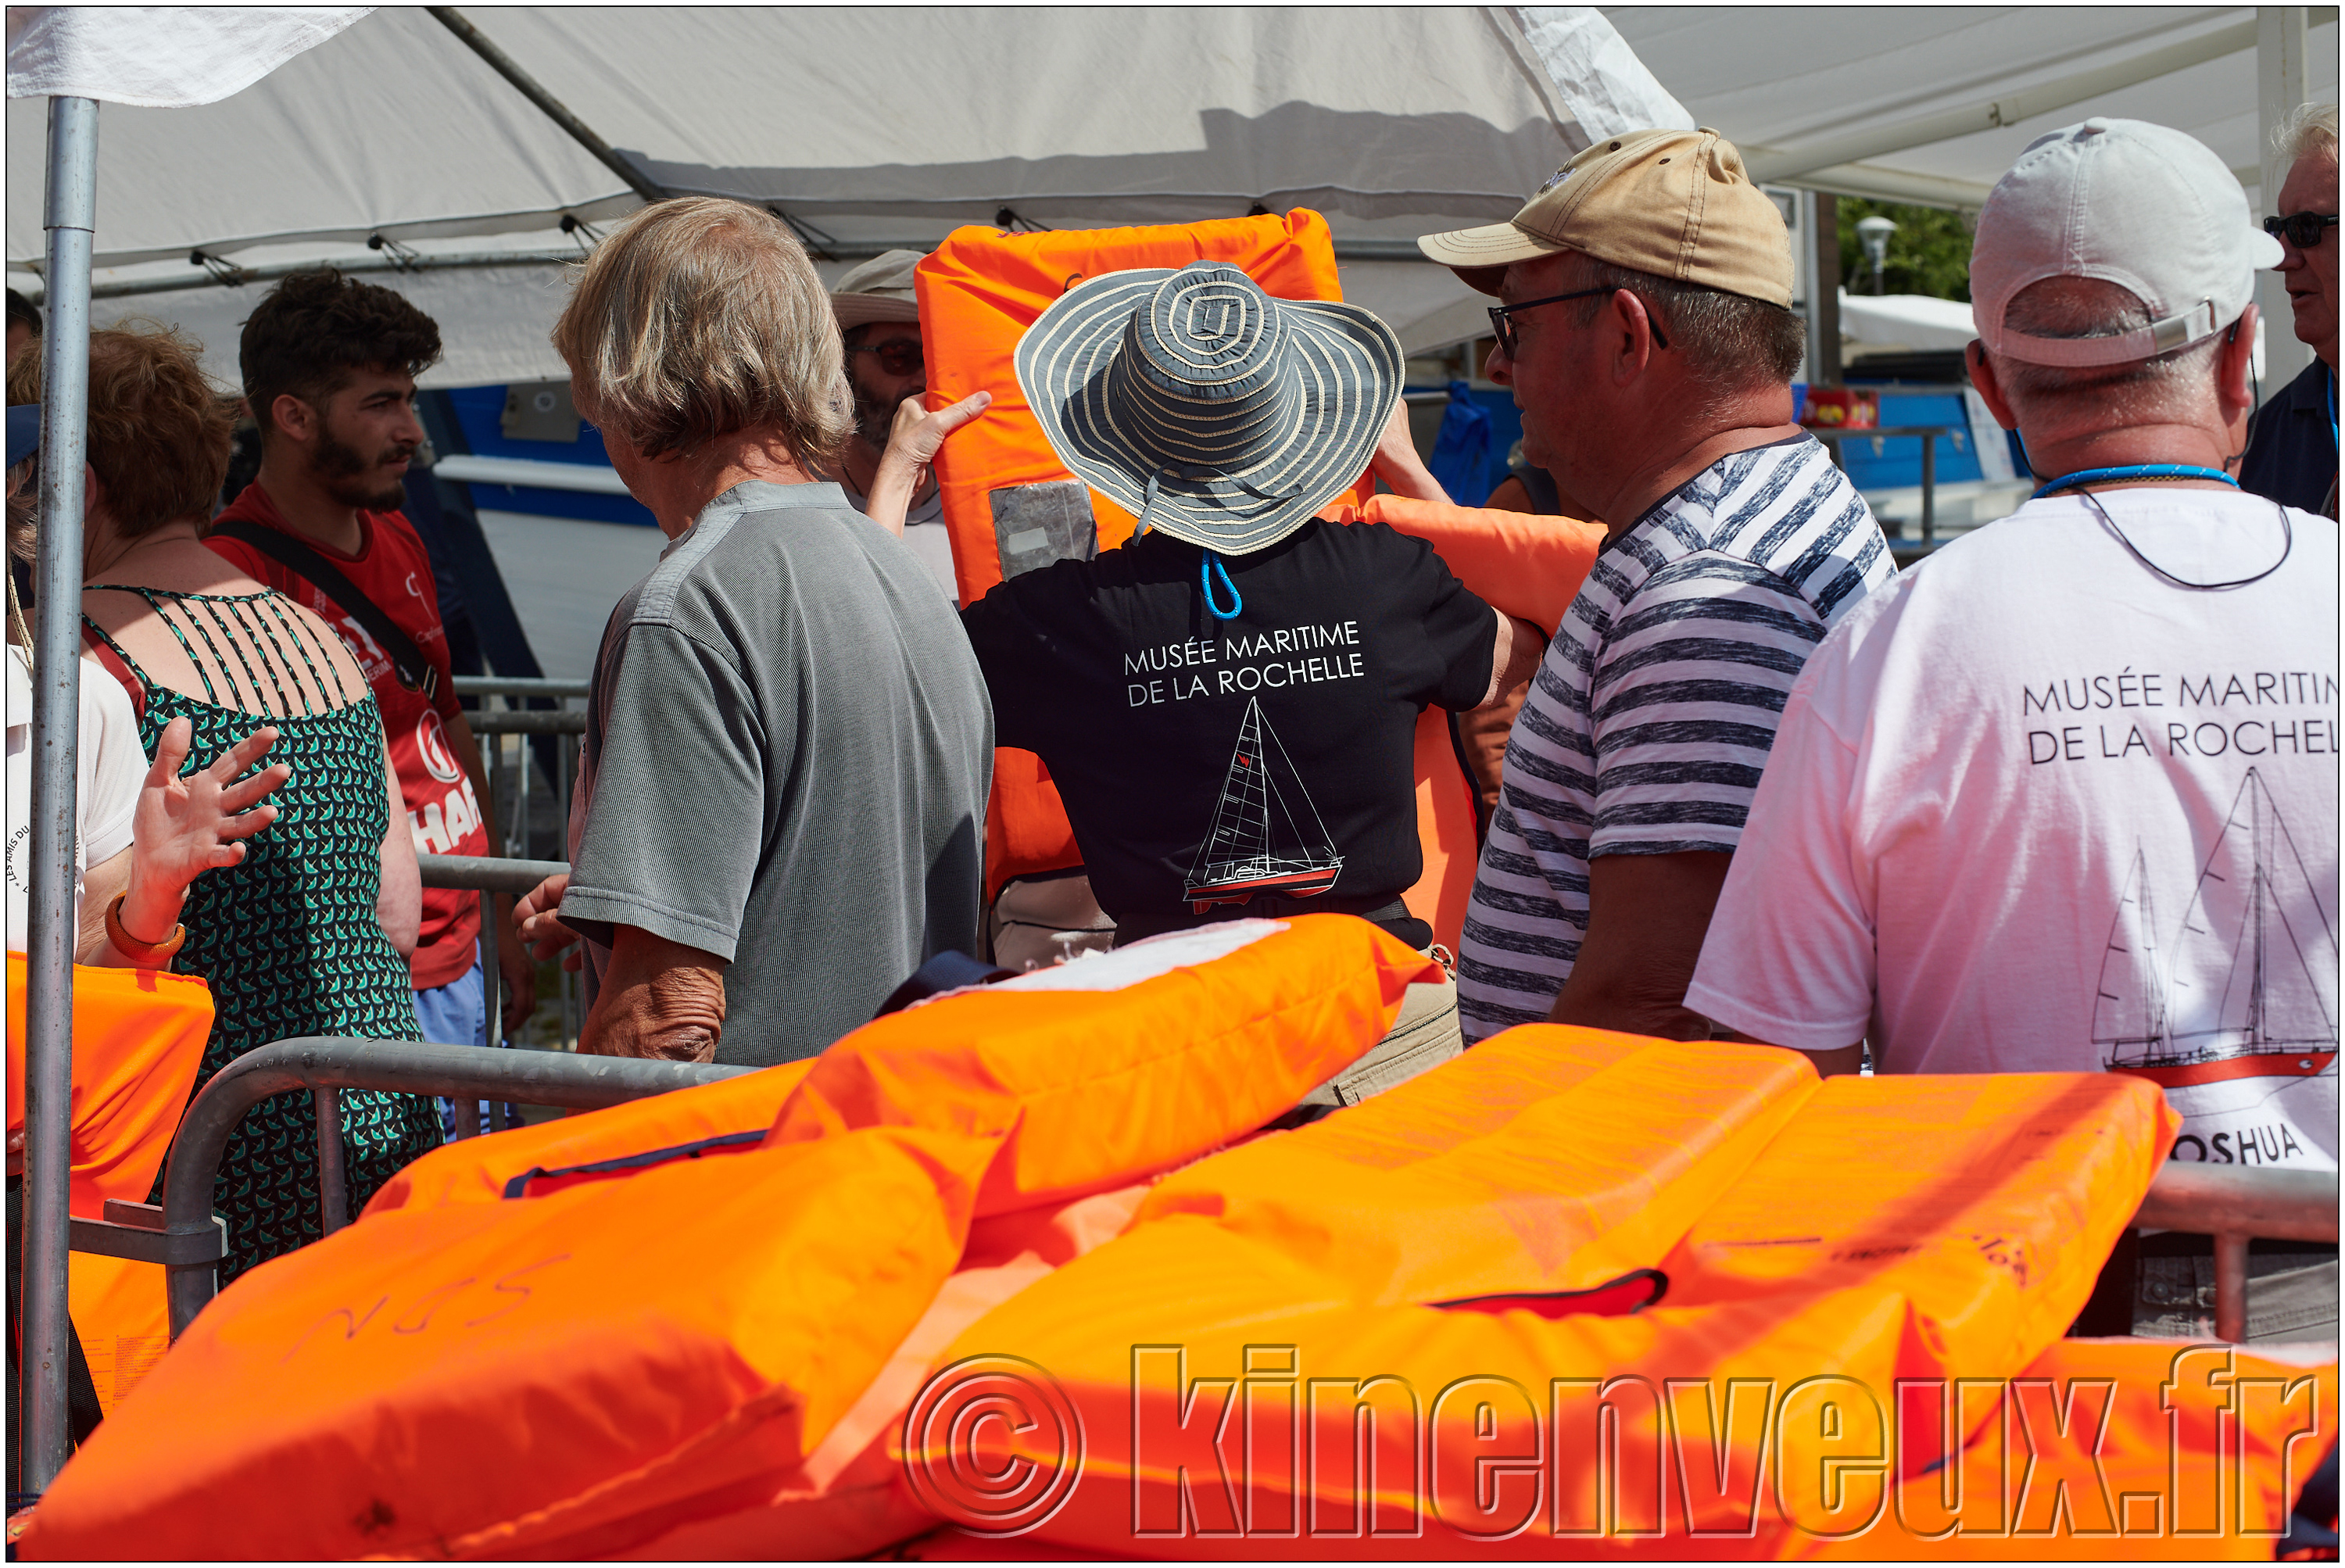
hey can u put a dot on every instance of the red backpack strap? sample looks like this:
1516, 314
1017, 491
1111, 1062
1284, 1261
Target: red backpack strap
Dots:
102, 648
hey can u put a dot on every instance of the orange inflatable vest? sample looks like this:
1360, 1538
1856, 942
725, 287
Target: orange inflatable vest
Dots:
137, 1042
2112, 1449
1445, 1294
978, 292
1522, 565
583, 1366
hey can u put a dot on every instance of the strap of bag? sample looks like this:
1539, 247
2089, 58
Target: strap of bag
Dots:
415, 672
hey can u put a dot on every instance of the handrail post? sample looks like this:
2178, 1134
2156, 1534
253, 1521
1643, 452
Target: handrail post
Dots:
334, 1182
1928, 487
70, 217
2231, 1288
2231, 1204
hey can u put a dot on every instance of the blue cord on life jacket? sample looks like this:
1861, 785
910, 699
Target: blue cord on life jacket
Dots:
1211, 564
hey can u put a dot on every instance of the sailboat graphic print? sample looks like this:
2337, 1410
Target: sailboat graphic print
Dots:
2247, 985
1266, 836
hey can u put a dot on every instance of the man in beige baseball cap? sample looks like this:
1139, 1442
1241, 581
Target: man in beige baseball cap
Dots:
1646, 328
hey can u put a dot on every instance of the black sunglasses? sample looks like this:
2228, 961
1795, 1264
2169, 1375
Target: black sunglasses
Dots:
2301, 229
897, 357
1504, 329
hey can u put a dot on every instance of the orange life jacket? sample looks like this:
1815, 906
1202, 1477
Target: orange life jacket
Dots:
1521, 565
1564, 1205
2123, 1449
703, 1123
582, 1371
137, 1042
980, 291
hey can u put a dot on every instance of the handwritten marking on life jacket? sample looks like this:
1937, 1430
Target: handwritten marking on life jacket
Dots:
419, 1319
424, 1307
2005, 1252
520, 1293
351, 1324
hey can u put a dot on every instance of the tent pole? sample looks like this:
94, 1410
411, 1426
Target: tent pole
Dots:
553, 109
70, 217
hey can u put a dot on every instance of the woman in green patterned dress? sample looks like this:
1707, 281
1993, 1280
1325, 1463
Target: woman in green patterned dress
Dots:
307, 935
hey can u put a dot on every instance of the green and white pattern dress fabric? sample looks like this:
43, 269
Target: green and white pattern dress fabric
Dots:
289, 941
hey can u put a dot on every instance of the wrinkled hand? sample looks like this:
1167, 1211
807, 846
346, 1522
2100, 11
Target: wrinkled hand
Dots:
541, 930
184, 827
917, 434
912, 443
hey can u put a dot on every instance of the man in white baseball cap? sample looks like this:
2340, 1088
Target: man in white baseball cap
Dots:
2065, 798
879, 326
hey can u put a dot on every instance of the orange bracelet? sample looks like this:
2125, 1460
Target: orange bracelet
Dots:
129, 946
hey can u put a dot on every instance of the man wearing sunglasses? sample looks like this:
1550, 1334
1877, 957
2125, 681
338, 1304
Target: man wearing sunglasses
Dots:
1647, 331
879, 326
2293, 450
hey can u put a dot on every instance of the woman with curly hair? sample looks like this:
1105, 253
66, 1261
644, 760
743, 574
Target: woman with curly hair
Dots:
309, 935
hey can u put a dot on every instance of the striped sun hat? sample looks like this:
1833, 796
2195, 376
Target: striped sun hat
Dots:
1204, 407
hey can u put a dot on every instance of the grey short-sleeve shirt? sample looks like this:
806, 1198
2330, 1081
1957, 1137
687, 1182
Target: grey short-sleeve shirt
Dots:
787, 751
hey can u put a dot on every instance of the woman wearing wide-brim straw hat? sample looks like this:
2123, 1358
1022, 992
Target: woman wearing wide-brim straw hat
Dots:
1228, 703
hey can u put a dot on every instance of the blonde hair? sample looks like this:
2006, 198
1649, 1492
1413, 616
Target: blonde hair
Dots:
699, 317
2310, 128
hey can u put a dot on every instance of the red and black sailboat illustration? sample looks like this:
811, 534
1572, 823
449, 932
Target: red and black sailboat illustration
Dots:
1266, 836
2241, 992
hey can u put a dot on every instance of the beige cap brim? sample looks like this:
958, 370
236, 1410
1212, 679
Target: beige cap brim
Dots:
855, 310
1480, 256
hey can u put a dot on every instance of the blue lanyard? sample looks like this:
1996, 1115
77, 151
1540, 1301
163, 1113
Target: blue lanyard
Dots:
2134, 470
2332, 408
1205, 572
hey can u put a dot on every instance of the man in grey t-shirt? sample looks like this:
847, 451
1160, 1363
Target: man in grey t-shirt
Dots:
781, 795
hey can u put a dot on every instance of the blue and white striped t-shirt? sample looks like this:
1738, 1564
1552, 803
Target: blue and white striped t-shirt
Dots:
1651, 715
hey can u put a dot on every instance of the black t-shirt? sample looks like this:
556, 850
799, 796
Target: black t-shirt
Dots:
1201, 759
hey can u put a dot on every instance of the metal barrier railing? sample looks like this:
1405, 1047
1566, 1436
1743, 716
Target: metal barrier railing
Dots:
2237, 1204
481, 875
517, 742
326, 1066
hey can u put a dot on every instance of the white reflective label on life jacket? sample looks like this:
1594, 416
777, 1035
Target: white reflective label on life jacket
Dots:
1146, 959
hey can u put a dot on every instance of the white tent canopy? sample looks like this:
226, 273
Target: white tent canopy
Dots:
869, 128
1932, 104
880, 127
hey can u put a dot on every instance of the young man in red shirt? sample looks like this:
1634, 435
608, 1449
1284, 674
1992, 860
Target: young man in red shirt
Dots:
329, 366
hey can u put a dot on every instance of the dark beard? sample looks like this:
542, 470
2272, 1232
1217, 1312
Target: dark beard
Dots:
336, 466
875, 418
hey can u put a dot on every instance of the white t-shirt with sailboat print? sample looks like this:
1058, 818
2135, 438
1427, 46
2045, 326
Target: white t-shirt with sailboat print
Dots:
2035, 807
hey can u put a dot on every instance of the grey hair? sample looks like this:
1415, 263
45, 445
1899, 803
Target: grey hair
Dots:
2177, 383
2310, 128
1731, 342
699, 317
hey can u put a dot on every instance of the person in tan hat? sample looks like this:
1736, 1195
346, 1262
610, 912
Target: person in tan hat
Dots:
879, 329
1646, 328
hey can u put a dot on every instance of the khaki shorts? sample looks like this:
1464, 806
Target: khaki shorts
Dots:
1424, 1036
